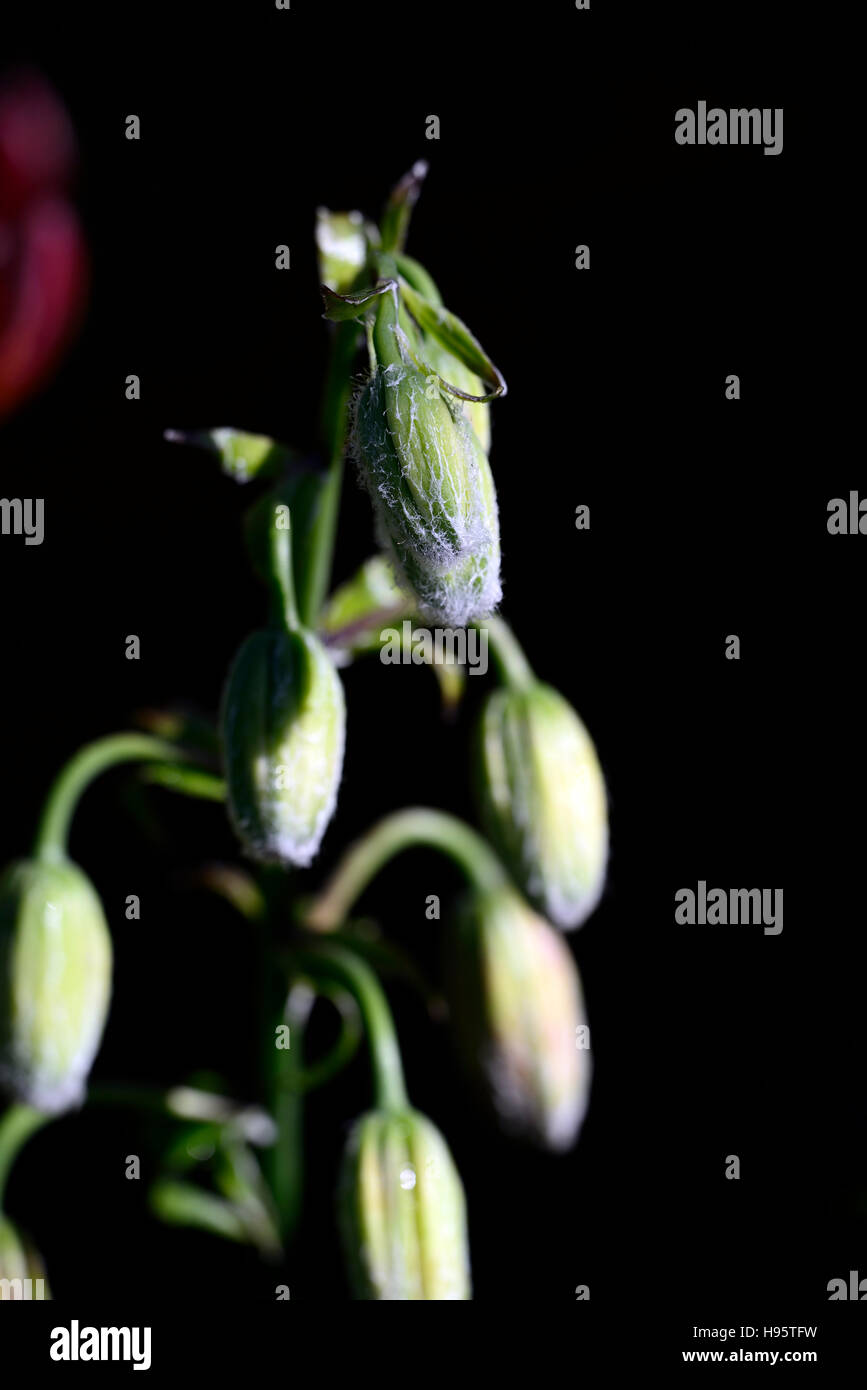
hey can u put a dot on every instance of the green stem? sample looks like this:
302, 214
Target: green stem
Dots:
16, 1127
512, 665
400, 831
283, 604
77, 775
335, 428
334, 963
285, 1160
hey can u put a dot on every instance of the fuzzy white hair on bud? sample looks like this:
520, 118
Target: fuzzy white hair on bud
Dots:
432, 492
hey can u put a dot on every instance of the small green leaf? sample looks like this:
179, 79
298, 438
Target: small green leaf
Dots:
414, 273
341, 307
189, 781
242, 456
183, 1204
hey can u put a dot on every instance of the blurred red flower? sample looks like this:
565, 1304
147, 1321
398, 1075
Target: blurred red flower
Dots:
43, 262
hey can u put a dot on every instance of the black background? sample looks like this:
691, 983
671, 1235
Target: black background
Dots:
707, 518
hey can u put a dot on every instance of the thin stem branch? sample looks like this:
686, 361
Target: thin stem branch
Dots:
402, 830
337, 396
334, 963
80, 771
283, 602
512, 665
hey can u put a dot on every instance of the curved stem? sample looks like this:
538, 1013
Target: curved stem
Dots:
400, 831
16, 1127
309, 1078
334, 963
77, 775
512, 665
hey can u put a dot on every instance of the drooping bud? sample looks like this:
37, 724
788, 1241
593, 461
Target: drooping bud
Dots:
22, 1275
519, 1016
543, 801
429, 480
55, 982
283, 724
402, 1211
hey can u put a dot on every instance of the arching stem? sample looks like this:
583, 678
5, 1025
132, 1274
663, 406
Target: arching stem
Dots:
402, 830
79, 772
341, 966
512, 665
16, 1127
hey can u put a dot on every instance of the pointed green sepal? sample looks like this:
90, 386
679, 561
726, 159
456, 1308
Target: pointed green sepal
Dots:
394, 223
453, 334
242, 456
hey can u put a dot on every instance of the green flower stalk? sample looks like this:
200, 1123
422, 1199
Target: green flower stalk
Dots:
55, 946
517, 1002
541, 791
401, 1205
283, 726
518, 1011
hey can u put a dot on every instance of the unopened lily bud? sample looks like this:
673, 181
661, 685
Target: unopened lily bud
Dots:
55, 982
543, 800
430, 482
283, 723
402, 1211
519, 1016
22, 1275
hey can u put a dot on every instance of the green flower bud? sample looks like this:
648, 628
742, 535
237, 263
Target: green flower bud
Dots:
402, 1211
55, 982
22, 1275
519, 1016
430, 482
451, 369
353, 617
283, 722
341, 247
542, 799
